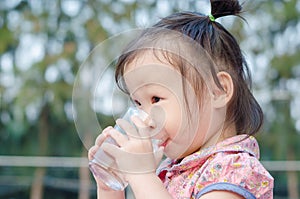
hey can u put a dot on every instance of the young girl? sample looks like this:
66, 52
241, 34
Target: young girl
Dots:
188, 73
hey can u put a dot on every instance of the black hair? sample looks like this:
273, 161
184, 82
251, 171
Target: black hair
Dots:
243, 109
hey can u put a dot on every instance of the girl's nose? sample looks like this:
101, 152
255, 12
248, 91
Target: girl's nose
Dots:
156, 120
150, 122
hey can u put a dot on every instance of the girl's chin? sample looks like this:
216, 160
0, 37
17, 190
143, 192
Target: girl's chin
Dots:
174, 151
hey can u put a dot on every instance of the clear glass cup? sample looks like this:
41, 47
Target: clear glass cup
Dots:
102, 165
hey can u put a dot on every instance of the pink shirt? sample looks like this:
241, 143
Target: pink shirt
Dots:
231, 165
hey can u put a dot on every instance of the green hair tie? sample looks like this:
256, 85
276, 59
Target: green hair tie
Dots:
211, 17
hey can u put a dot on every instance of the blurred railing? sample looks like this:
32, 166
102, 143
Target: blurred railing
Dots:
44, 161
77, 162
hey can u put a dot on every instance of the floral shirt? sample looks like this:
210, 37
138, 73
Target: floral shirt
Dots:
231, 165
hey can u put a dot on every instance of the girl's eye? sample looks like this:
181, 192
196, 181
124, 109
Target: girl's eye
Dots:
137, 103
155, 99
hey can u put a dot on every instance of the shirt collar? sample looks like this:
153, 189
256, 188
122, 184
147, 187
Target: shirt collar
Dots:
238, 143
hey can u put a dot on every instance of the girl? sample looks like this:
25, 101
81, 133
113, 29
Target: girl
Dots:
188, 73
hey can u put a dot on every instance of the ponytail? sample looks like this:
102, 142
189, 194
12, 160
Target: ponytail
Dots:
243, 109
221, 8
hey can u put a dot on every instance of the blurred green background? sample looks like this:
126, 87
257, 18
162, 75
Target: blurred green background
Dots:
44, 42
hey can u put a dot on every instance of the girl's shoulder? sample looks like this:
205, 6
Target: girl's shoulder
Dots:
235, 167
232, 165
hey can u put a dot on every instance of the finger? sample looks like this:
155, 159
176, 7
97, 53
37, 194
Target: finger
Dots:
129, 128
112, 150
130, 162
100, 139
143, 128
92, 151
121, 157
138, 122
119, 138
137, 162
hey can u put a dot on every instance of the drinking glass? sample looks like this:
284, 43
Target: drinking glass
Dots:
102, 165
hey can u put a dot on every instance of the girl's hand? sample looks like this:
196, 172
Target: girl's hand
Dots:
134, 153
92, 151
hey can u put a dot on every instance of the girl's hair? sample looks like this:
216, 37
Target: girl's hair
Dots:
243, 110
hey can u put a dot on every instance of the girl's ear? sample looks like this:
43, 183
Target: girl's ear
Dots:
222, 97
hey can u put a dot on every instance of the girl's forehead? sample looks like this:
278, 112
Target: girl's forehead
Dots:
147, 58
154, 67
153, 76
150, 73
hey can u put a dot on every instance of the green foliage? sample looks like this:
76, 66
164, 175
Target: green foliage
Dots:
284, 65
6, 39
34, 106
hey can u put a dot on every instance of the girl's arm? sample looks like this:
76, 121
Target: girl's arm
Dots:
109, 194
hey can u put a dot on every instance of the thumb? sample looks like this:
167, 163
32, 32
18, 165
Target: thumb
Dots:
112, 150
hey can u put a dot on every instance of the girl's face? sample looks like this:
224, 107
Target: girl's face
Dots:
157, 89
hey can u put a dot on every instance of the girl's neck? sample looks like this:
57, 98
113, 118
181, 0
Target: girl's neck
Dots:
219, 136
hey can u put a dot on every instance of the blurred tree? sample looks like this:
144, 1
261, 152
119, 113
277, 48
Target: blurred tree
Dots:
277, 51
42, 79
43, 43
